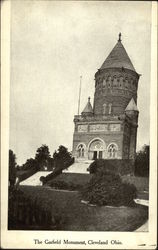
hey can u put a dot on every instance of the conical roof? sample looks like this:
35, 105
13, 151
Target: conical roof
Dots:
131, 106
88, 108
118, 58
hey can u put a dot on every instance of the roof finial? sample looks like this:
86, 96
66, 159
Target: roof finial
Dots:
89, 99
119, 40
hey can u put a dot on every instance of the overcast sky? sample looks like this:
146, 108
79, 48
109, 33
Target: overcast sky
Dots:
52, 44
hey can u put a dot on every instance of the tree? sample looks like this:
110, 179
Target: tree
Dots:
42, 156
62, 157
30, 164
12, 168
50, 164
142, 162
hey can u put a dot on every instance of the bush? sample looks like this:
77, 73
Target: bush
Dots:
59, 166
106, 188
101, 165
43, 180
119, 166
50, 176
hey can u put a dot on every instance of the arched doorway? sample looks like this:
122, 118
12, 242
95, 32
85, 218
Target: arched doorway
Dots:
112, 150
96, 149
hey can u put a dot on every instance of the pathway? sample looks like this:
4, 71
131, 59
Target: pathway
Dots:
78, 167
145, 226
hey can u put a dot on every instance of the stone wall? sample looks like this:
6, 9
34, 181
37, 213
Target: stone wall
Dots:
114, 88
108, 138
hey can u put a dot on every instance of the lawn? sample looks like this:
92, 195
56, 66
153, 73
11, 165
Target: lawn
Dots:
76, 178
141, 183
77, 216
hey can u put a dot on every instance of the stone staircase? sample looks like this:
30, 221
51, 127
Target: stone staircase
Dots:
34, 179
78, 167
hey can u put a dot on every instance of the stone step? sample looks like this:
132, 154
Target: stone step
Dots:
34, 179
78, 167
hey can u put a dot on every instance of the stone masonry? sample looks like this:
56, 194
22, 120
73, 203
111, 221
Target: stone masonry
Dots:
108, 130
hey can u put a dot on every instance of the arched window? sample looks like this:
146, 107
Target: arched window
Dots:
109, 81
104, 82
112, 151
127, 85
110, 108
81, 151
104, 108
115, 81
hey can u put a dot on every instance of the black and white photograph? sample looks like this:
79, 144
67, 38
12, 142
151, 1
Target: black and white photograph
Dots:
80, 123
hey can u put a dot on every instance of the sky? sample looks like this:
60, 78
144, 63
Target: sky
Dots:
53, 43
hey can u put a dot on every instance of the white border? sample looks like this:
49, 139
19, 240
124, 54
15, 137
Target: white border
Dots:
25, 239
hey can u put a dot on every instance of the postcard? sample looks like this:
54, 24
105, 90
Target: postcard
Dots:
79, 125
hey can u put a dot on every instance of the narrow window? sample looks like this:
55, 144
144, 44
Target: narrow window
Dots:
81, 151
104, 108
110, 108
104, 82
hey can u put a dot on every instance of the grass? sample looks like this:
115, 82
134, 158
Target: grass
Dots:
141, 183
77, 216
78, 179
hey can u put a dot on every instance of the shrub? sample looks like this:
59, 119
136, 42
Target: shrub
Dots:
120, 166
106, 188
127, 193
62, 160
101, 165
50, 176
43, 180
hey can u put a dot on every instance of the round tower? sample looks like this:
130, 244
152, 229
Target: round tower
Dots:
108, 130
116, 82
